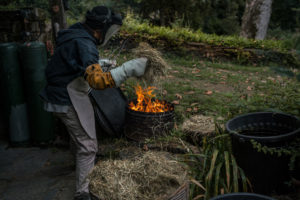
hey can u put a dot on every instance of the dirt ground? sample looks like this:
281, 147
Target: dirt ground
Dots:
36, 174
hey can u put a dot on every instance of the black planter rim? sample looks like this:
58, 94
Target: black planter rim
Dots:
263, 138
243, 194
171, 111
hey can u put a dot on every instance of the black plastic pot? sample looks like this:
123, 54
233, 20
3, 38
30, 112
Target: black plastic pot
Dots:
266, 172
242, 196
296, 171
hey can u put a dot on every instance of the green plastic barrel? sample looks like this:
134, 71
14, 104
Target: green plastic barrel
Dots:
34, 61
4, 132
14, 106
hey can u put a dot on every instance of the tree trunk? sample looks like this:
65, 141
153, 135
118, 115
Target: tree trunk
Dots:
256, 19
162, 17
58, 17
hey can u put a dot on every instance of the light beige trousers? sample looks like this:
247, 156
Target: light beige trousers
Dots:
86, 149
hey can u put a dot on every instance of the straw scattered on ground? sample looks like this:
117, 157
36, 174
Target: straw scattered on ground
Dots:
156, 65
152, 175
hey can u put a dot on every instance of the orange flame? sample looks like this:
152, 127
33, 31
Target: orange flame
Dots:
145, 102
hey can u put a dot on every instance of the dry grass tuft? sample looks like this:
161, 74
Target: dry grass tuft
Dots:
150, 176
156, 65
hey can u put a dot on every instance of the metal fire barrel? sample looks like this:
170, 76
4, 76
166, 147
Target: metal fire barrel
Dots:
34, 62
140, 126
14, 106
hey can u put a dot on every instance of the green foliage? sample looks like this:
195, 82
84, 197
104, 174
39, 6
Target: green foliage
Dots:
290, 38
285, 15
179, 35
214, 16
210, 16
17, 4
294, 41
78, 8
216, 171
293, 150
219, 17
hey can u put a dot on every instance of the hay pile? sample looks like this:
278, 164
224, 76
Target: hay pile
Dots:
153, 175
199, 125
156, 65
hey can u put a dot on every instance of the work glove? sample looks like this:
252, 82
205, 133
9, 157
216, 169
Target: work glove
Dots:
130, 68
98, 79
106, 64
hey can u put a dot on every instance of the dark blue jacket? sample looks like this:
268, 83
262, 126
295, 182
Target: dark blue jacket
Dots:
76, 49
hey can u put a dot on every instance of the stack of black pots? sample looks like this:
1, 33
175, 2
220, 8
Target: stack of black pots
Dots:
267, 172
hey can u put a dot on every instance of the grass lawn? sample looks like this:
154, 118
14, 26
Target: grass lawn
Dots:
223, 90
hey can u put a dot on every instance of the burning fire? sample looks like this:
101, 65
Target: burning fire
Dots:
145, 102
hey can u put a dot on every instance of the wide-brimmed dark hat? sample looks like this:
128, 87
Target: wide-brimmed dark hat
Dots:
101, 17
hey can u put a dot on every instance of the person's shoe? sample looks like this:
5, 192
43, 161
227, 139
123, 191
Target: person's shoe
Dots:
83, 196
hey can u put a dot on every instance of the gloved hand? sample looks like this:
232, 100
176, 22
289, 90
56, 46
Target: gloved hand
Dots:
106, 64
135, 67
98, 79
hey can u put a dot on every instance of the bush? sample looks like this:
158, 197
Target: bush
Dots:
179, 35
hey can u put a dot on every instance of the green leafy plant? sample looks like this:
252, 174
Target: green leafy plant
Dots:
242, 50
292, 150
216, 171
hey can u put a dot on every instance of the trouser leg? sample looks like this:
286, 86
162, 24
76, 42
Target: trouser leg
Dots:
72, 147
86, 149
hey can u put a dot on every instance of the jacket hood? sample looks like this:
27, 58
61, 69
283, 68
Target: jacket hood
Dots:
74, 32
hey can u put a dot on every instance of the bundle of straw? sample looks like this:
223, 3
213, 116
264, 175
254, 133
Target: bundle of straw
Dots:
156, 65
199, 124
150, 176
